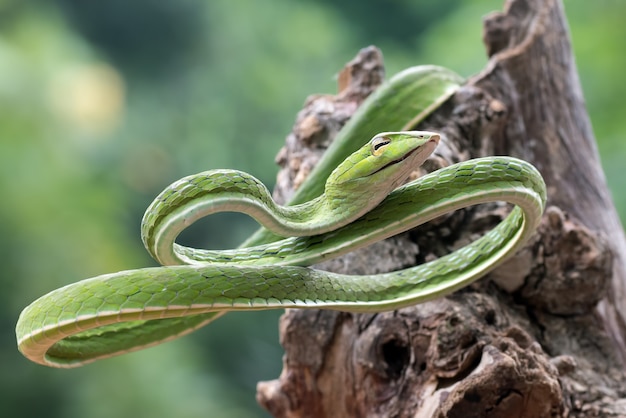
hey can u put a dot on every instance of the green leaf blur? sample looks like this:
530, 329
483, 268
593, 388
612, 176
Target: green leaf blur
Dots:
103, 103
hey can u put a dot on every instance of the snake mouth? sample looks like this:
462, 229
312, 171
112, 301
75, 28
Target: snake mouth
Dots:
434, 140
394, 162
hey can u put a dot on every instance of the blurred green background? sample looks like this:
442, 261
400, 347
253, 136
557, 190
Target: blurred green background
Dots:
103, 103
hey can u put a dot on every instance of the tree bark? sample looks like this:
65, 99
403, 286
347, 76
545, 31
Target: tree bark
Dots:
542, 336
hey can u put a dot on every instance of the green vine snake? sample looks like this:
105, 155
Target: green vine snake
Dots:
362, 203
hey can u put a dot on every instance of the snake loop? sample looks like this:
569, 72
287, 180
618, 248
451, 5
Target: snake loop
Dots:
125, 311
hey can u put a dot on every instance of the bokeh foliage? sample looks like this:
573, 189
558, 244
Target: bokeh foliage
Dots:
103, 103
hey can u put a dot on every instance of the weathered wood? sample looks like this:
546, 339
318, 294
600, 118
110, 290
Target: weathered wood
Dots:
544, 335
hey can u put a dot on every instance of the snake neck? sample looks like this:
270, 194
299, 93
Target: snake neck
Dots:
200, 195
320, 215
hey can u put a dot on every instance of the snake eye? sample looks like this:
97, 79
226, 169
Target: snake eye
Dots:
379, 143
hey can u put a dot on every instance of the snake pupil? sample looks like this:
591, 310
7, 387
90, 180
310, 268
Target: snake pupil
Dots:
378, 143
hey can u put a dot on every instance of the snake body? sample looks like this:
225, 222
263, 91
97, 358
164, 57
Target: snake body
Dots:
129, 310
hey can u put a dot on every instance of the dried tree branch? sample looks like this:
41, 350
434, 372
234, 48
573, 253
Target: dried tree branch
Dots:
544, 335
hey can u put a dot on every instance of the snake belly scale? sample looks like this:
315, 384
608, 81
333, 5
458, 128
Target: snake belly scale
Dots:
125, 311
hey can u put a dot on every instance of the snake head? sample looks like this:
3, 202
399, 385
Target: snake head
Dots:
387, 159
367, 176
